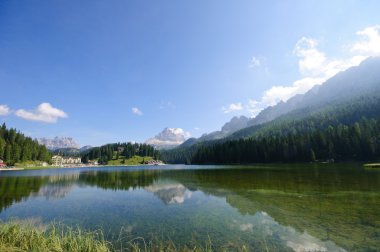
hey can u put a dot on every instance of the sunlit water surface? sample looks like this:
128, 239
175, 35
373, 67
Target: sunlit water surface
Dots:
271, 207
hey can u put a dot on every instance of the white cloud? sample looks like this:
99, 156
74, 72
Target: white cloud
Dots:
137, 111
255, 62
253, 107
311, 59
315, 68
167, 106
370, 43
45, 112
4, 110
232, 107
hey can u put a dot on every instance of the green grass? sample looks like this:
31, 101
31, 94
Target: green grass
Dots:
30, 164
20, 237
34, 165
135, 160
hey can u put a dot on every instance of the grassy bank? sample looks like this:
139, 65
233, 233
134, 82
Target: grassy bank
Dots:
135, 160
19, 237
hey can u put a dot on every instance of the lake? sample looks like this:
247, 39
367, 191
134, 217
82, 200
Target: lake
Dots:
325, 207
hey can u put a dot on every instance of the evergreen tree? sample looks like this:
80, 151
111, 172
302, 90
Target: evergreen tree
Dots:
15, 147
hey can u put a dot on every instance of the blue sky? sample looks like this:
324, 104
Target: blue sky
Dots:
107, 71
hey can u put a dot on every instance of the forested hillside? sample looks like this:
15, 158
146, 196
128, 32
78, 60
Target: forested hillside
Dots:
16, 147
67, 152
353, 83
345, 87
108, 152
349, 130
337, 120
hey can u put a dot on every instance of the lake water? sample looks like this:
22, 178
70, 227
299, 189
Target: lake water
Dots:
267, 208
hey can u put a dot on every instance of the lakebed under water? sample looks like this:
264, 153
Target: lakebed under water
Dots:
332, 207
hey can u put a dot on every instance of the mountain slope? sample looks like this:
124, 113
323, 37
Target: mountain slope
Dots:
343, 133
343, 102
345, 86
235, 124
58, 143
352, 83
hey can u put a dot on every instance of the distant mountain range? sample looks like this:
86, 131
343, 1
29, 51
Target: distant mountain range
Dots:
347, 85
344, 88
354, 82
173, 137
344, 101
65, 145
235, 124
350, 86
58, 143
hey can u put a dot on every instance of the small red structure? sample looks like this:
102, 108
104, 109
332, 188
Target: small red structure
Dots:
2, 164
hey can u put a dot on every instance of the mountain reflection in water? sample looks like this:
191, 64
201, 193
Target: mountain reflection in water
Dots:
169, 193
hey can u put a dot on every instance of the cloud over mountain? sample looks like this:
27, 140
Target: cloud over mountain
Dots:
315, 67
232, 107
169, 138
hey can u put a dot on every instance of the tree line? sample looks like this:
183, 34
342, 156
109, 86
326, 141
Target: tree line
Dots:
360, 140
108, 152
15, 147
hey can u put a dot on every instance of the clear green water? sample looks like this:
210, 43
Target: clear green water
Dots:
267, 208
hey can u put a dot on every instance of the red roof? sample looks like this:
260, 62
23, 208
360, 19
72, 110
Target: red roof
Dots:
2, 164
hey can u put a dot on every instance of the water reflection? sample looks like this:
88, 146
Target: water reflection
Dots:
338, 204
16, 189
53, 191
304, 208
169, 192
119, 180
57, 186
297, 241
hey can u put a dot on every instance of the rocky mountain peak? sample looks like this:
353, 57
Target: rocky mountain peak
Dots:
168, 138
235, 124
58, 142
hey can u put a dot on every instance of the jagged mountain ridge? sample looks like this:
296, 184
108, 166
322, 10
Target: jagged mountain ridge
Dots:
58, 143
356, 81
235, 124
353, 82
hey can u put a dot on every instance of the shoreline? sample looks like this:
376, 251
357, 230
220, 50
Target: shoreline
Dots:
364, 165
12, 169
71, 167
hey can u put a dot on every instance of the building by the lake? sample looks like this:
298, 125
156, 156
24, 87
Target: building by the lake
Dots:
2, 164
58, 160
